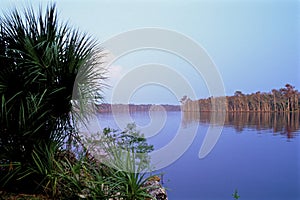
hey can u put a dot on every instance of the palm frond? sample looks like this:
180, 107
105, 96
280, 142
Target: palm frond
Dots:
44, 67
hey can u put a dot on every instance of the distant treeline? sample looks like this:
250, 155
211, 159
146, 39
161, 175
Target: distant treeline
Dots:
133, 108
282, 100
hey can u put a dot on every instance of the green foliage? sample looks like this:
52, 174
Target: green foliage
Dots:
43, 63
130, 138
235, 195
67, 177
126, 154
117, 147
129, 179
49, 81
130, 143
64, 175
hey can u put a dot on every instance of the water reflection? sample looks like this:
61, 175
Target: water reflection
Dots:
286, 124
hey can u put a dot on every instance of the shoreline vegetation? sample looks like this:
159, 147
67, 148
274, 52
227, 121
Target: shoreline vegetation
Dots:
278, 100
49, 72
282, 100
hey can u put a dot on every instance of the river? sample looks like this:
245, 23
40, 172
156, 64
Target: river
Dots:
257, 154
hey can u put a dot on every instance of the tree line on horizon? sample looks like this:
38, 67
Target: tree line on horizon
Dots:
285, 99
106, 107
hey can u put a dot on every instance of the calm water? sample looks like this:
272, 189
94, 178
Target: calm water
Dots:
257, 154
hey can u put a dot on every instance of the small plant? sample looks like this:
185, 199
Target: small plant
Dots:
130, 143
125, 153
129, 179
235, 195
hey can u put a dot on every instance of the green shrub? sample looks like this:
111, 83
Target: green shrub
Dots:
43, 63
127, 160
47, 82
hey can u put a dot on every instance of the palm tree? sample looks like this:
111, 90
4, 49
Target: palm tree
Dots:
46, 68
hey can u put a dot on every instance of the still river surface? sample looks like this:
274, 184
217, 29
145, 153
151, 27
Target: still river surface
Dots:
257, 154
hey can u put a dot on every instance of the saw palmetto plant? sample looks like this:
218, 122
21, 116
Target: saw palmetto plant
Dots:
46, 68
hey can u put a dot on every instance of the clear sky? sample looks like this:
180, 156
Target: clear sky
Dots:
253, 43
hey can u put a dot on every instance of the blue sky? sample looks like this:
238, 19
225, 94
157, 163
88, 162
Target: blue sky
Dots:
254, 44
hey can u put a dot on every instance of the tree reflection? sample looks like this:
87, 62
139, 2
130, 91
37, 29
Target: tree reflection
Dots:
283, 123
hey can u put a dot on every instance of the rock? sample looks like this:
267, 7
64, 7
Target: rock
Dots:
155, 189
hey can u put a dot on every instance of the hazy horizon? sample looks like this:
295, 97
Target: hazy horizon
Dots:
253, 44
